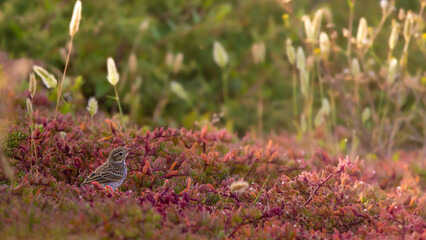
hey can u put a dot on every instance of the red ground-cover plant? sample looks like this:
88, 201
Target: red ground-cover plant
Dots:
179, 181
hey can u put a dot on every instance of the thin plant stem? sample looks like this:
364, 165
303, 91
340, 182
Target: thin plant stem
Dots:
383, 119
320, 80
261, 189
119, 108
63, 78
351, 4
225, 90
380, 114
33, 147
295, 109
309, 101
260, 114
333, 122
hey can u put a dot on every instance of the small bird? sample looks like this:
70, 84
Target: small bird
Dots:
113, 172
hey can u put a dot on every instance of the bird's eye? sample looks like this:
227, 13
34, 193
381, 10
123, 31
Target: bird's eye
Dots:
120, 154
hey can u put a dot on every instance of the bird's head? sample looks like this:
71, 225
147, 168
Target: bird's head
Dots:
119, 154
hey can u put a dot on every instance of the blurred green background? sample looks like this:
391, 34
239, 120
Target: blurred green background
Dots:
39, 30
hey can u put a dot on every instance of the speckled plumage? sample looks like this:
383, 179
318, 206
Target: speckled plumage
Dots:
113, 172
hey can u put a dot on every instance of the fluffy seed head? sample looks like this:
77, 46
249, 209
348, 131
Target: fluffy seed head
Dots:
169, 60
326, 106
301, 60
304, 82
392, 71
144, 25
33, 84
178, 89
177, 64
239, 186
316, 23
324, 44
393, 39
76, 17
408, 26
309, 29
47, 78
92, 106
112, 76
219, 54
361, 37
384, 4
355, 68
366, 114
29, 107
290, 52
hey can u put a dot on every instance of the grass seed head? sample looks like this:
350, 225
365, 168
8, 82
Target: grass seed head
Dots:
408, 26
290, 52
177, 63
393, 39
309, 29
361, 37
301, 60
33, 84
47, 78
92, 106
113, 76
29, 107
392, 71
239, 186
316, 23
324, 45
355, 68
220, 55
76, 17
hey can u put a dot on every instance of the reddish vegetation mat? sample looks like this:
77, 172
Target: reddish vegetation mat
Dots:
178, 187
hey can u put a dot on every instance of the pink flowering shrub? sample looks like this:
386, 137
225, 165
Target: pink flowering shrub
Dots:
178, 186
